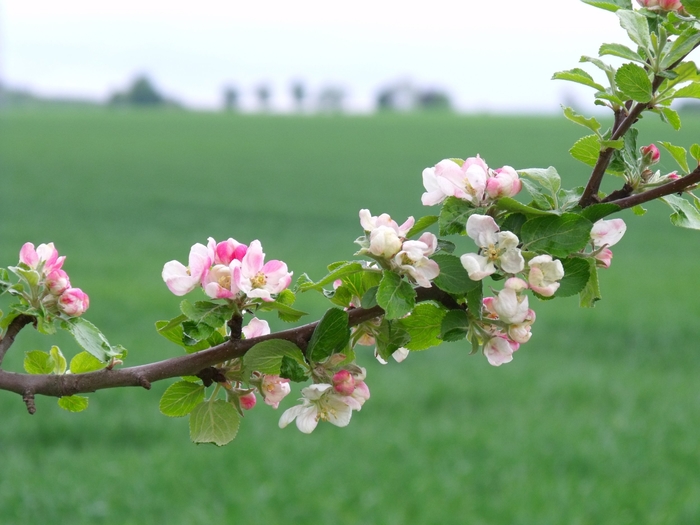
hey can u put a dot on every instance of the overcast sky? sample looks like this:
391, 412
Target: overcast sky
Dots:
489, 55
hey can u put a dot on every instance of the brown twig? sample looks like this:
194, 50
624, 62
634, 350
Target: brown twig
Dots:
13, 329
676, 186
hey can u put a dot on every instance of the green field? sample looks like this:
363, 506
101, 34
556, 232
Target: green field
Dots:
594, 422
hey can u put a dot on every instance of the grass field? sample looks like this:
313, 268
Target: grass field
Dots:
594, 422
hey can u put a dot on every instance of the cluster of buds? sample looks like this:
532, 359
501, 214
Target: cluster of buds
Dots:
651, 156
386, 242
49, 287
470, 180
228, 270
662, 5
333, 401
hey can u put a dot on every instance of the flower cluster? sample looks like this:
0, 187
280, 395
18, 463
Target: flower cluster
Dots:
470, 180
49, 286
386, 242
332, 402
228, 270
663, 5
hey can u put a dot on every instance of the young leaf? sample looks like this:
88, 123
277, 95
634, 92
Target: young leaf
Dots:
684, 44
556, 235
286, 313
678, 153
621, 51
638, 210
207, 312
577, 273
85, 362
341, 270
586, 149
396, 296
38, 362
609, 5
266, 356
422, 224
637, 27
90, 338
692, 7
590, 123
174, 333
454, 215
423, 325
508, 204
59, 362
292, 370
671, 117
330, 336
695, 152
598, 211
634, 82
591, 292
685, 214
548, 178
453, 277
689, 91
455, 325
578, 75
73, 403
214, 422
475, 301
180, 398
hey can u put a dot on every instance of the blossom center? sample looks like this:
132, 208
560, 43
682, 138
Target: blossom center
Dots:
225, 281
491, 253
258, 281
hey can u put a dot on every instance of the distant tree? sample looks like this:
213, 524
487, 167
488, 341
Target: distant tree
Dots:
231, 99
142, 92
434, 100
330, 100
299, 95
397, 97
263, 93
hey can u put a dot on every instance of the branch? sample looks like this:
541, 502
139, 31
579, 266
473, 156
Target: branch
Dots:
676, 186
28, 385
13, 329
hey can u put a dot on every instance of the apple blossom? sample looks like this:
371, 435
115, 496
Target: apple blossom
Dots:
320, 402
604, 257
607, 233
181, 279
384, 242
73, 302
545, 274
274, 389
370, 223
258, 279
248, 400
670, 5
499, 350
413, 259
218, 283
650, 154
648, 3
343, 382
45, 254
255, 328
57, 282
504, 183
509, 304
496, 248
521, 332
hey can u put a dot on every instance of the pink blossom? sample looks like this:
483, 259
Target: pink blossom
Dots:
218, 283
370, 223
650, 154
384, 242
648, 3
248, 400
344, 382
274, 389
604, 258
545, 275
510, 305
521, 332
73, 302
258, 279
504, 183
226, 251
413, 259
670, 5
496, 248
181, 279
57, 282
499, 350
256, 328
320, 402
607, 233
45, 254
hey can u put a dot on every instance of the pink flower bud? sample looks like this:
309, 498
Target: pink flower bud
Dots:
344, 383
650, 154
670, 5
505, 183
248, 401
604, 258
57, 282
274, 389
73, 302
673, 176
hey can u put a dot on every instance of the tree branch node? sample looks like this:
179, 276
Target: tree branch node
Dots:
28, 398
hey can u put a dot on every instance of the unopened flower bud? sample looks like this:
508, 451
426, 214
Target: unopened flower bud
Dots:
670, 5
648, 3
57, 282
650, 154
73, 302
248, 401
344, 382
673, 176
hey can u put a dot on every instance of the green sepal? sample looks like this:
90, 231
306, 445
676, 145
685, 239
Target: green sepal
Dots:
423, 326
180, 398
73, 403
396, 296
214, 422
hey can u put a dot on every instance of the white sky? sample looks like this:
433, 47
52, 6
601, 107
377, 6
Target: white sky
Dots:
489, 55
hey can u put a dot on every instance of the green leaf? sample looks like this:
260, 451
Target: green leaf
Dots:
180, 398
587, 150
330, 336
454, 215
422, 224
85, 362
577, 273
214, 422
89, 337
266, 356
568, 198
638, 210
453, 277
578, 75
540, 200
286, 313
609, 5
174, 333
38, 362
590, 123
614, 144
684, 44
637, 27
423, 325
591, 292
692, 7
390, 336
396, 296
292, 370
475, 301
508, 204
369, 300
689, 91
194, 332
685, 214
678, 153
671, 116
621, 51
59, 362
634, 82
557, 235
695, 152
455, 325
343, 269
73, 403
599, 211
212, 314
548, 178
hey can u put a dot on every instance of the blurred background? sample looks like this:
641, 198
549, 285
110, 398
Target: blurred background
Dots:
129, 132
